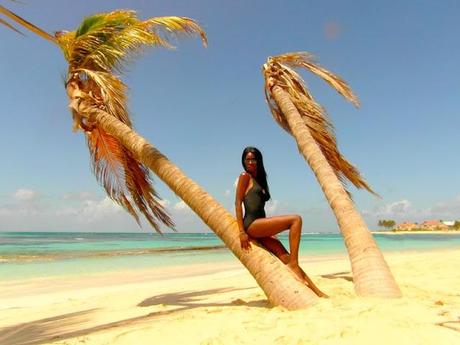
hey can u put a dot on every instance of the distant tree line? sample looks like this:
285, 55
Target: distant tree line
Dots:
387, 223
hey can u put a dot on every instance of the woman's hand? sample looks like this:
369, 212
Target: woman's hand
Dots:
244, 239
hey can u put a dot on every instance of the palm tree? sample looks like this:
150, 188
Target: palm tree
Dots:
98, 48
297, 112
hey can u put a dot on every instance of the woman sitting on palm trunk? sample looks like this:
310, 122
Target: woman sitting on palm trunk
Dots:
252, 191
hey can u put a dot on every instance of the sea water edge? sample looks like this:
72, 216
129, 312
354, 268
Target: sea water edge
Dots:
43, 254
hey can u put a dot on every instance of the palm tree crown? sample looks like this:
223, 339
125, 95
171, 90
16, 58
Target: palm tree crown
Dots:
98, 49
280, 69
96, 52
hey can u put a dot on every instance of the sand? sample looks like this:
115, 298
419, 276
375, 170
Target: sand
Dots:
221, 304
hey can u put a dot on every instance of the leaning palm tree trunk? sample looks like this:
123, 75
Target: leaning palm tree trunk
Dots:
371, 274
278, 283
296, 111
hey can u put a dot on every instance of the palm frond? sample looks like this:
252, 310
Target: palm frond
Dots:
65, 41
124, 179
306, 60
26, 24
8, 25
139, 185
177, 25
107, 41
314, 115
111, 90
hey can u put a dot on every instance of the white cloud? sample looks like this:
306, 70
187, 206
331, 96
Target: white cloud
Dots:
91, 210
23, 210
272, 206
26, 202
448, 209
80, 196
403, 210
100, 209
181, 206
72, 212
23, 194
164, 202
67, 211
227, 192
5, 211
401, 207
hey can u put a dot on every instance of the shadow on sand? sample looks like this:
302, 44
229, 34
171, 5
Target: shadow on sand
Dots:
453, 325
339, 275
57, 327
191, 299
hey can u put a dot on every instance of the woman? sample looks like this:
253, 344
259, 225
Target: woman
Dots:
252, 191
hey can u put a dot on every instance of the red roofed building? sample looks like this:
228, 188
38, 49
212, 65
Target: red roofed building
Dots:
433, 225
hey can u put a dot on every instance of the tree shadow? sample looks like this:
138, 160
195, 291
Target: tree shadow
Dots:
56, 328
338, 275
191, 299
446, 324
39, 331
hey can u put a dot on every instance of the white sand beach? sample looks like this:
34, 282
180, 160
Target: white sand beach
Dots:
220, 303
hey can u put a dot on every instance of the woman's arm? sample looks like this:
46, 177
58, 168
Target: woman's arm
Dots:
243, 183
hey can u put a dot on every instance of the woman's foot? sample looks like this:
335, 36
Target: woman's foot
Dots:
312, 285
302, 276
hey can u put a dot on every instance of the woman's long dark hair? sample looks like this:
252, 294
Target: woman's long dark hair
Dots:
261, 177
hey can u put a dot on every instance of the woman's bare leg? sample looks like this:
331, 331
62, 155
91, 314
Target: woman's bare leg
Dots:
274, 246
267, 227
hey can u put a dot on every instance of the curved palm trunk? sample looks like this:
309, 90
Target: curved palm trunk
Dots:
371, 274
278, 283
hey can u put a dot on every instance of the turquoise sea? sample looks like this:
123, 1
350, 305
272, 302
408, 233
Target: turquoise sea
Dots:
42, 254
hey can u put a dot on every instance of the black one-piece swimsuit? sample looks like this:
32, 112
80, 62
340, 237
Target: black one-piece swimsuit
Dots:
254, 203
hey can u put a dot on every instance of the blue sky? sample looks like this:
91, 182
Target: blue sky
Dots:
201, 107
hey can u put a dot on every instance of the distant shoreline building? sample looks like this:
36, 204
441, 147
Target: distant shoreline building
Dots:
448, 222
428, 225
407, 226
433, 225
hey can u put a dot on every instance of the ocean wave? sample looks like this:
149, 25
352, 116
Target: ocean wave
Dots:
24, 258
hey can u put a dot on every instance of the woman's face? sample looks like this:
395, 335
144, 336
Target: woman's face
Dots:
251, 162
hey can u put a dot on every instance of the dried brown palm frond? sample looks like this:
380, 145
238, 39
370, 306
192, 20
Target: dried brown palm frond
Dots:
24, 23
279, 70
306, 60
175, 26
125, 180
110, 90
